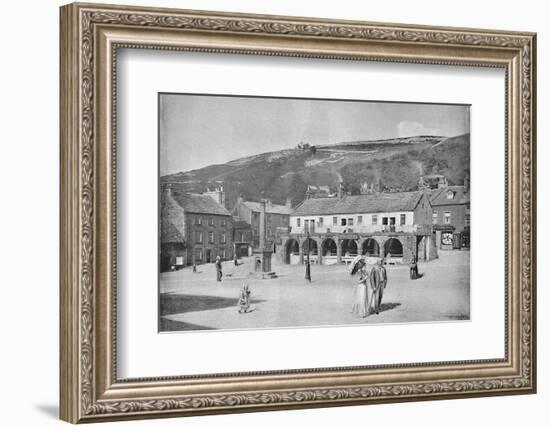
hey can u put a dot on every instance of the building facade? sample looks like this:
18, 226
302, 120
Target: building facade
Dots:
242, 237
276, 216
451, 216
395, 226
205, 226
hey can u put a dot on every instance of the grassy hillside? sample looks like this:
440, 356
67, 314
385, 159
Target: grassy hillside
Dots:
395, 163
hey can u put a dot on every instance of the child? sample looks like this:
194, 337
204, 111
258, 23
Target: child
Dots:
244, 299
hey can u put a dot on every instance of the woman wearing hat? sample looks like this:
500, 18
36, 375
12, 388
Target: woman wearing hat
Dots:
361, 300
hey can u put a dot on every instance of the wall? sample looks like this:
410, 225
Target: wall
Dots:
365, 226
29, 175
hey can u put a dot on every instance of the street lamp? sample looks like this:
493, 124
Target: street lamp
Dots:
308, 267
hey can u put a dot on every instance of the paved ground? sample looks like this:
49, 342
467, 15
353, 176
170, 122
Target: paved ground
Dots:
191, 301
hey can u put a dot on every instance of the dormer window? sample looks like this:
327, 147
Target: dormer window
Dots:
450, 195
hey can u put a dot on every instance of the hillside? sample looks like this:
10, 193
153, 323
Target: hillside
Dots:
395, 163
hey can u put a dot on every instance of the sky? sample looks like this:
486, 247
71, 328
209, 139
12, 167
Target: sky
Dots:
201, 130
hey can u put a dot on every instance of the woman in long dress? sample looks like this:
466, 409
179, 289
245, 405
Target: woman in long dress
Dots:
361, 299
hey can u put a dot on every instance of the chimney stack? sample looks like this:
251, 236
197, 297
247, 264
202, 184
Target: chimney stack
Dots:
341, 190
167, 190
288, 203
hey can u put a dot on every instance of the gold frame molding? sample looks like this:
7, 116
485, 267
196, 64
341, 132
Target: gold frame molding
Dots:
90, 36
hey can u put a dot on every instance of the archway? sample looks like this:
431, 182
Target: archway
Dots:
291, 248
370, 247
309, 245
349, 247
393, 247
328, 248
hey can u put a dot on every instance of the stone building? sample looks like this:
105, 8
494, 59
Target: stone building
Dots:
451, 216
205, 226
173, 248
396, 226
276, 216
242, 237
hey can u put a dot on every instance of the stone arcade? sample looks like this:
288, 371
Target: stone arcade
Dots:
396, 226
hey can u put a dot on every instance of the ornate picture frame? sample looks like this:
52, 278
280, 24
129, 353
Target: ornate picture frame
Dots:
90, 37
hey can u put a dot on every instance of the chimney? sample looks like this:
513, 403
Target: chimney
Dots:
288, 203
442, 182
218, 195
167, 190
341, 190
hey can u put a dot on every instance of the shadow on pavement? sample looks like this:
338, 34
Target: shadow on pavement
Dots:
386, 306
181, 303
167, 325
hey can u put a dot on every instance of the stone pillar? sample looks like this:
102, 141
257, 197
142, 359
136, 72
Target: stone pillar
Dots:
381, 241
301, 250
360, 242
338, 251
319, 251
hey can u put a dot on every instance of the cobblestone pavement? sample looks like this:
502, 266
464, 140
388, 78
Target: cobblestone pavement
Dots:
191, 301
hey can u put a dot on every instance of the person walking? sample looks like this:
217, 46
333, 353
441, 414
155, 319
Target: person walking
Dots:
361, 297
218, 264
379, 280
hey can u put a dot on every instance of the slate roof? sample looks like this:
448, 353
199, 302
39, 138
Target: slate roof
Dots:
364, 203
269, 208
199, 203
439, 197
169, 233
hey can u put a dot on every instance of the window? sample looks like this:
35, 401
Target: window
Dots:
222, 254
374, 219
359, 220
385, 221
198, 220
298, 222
198, 236
402, 219
320, 220
210, 221
198, 254
334, 220
467, 220
350, 221
450, 194
223, 238
255, 232
223, 222
343, 221
434, 217
447, 217
210, 237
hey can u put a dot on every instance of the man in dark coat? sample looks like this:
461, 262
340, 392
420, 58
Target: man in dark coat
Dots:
218, 264
379, 279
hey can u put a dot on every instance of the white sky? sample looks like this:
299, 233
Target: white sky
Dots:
200, 130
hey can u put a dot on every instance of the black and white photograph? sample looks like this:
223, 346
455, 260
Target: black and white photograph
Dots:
290, 212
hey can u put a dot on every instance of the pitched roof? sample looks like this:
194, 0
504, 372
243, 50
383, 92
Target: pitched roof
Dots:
439, 197
198, 203
269, 207
364, 203
169, 233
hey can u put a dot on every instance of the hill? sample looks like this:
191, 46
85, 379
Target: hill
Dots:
394, 163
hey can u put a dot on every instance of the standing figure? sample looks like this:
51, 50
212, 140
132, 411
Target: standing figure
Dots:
218, 269
379, 280
244, 299
361, 298
413, 269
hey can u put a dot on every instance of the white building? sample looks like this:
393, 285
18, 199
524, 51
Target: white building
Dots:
390, 225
